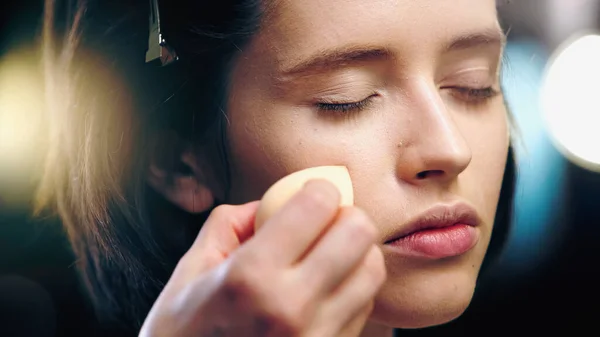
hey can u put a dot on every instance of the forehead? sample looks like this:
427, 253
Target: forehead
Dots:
297, 28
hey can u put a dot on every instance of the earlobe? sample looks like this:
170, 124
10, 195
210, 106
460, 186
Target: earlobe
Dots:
184, 191
183, 188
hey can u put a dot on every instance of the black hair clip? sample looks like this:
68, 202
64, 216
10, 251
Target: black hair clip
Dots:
158, 48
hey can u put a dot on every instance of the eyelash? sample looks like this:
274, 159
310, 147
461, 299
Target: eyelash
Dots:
469, 95
345, 107
474, 95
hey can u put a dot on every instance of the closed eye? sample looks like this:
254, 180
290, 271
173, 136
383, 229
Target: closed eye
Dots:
345, 107
474, 95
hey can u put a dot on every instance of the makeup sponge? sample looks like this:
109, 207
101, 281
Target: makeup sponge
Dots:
278, 194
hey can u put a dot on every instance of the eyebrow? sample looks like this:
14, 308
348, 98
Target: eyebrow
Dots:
489, 36
337, 58
334, 58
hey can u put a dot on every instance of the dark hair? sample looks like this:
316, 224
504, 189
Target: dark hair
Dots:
105, 110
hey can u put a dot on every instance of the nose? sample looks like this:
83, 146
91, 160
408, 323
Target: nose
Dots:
435, 149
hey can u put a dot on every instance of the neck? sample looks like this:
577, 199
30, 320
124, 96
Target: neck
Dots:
376, 330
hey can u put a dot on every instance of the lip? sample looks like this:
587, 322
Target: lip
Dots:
440, 232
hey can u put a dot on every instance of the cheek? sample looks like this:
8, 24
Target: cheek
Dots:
489, 142
254, 157
263, 149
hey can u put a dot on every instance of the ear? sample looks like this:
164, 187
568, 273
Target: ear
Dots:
183, 175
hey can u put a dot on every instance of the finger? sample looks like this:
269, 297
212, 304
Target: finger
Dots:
341, 250
356, 325
290, 232
226, 228
358, 290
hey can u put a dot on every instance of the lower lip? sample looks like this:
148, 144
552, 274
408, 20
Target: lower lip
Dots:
437, 243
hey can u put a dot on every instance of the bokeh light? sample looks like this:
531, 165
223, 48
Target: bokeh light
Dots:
21, 145
570, 101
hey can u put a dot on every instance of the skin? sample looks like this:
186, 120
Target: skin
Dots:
412, 126
422, 140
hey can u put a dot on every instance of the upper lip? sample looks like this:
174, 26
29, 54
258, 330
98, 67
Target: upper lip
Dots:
438, 216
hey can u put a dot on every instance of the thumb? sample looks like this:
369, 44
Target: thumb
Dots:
225, 230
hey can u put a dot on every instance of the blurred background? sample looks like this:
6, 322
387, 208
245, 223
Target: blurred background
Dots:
546, 282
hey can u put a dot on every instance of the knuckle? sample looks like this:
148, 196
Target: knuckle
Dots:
190, 260
223, 212
294, 323
288, 319
241, 283
277, 312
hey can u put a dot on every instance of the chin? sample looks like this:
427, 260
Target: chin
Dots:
420, 299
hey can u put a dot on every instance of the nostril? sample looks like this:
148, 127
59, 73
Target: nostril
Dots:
429, 174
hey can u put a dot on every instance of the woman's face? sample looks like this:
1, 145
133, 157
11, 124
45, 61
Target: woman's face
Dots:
405, 94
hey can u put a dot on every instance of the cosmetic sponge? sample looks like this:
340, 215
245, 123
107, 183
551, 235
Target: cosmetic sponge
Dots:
280, 192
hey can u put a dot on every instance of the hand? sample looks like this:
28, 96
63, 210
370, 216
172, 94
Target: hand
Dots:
312, 271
